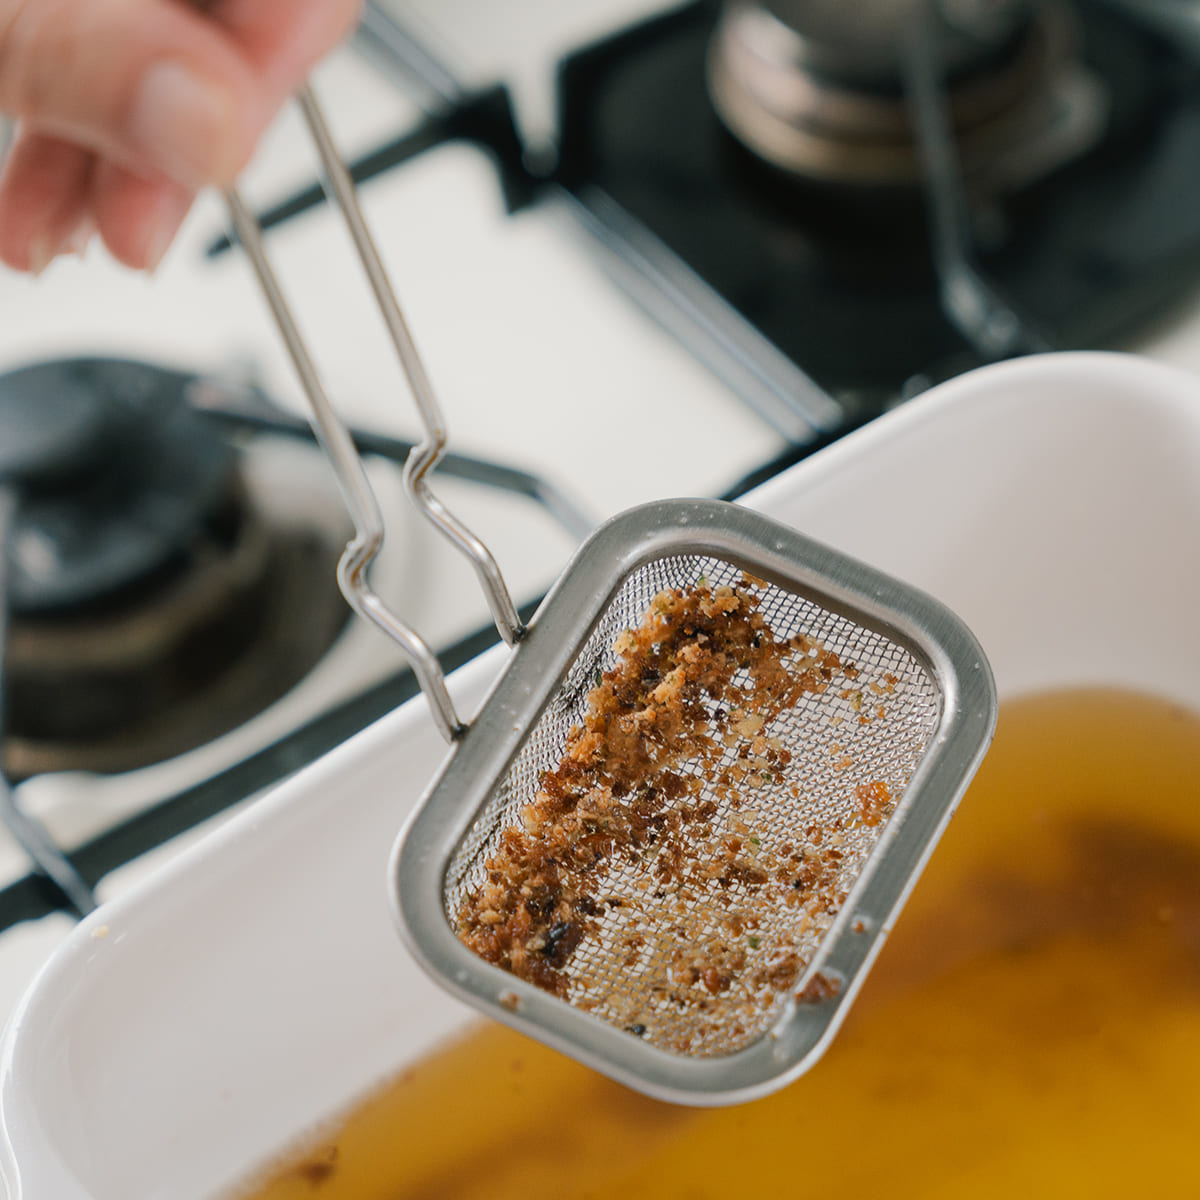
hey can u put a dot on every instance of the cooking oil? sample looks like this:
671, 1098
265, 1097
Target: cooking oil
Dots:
1032, 1026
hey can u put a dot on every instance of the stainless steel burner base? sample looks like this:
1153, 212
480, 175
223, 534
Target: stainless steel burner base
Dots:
1015, 120
155, 667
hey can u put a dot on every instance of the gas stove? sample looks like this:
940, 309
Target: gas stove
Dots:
893, 203
647, 250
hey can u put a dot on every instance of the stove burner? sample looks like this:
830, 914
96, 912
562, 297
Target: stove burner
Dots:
860, 45
151, 606
117, 477
849, 281
817, 87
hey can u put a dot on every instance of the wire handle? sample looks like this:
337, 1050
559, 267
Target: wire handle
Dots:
338, 445
425, 457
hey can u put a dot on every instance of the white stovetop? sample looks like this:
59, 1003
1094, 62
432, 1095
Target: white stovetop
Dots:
539, 360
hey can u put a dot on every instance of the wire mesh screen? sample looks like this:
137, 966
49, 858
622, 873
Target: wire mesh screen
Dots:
780, 817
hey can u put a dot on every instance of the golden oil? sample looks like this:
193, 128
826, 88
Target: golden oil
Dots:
1031, 1028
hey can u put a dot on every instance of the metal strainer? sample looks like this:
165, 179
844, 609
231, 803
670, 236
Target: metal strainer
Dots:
720, 979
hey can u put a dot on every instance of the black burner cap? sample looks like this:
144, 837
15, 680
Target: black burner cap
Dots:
118, 476
51, 427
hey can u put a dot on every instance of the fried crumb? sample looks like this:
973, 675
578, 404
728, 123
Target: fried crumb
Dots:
874, 801
318, 1168
692, 697
818, 989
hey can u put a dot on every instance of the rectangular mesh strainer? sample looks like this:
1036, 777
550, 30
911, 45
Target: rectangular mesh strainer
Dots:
673, 838
723, 972
747, 891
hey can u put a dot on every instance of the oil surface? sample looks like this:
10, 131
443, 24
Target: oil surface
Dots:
1031, 1028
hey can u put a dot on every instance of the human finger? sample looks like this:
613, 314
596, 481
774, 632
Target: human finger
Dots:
150, 84
156, 88
44, 200
138, 217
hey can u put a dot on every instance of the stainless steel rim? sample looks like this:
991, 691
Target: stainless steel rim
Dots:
481, 757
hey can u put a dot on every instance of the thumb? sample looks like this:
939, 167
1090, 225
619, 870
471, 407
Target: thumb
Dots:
150, 84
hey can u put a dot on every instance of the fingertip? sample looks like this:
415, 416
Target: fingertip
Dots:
138, 218
46, 247
152, 84
44, 195
81, 237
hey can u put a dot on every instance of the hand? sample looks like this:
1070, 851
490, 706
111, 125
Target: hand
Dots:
127, 107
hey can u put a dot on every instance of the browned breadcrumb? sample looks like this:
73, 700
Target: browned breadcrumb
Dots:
818, 989
874, 801
696, 685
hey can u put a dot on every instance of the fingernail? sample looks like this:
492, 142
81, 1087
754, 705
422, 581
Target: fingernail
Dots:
45, 248
78, 240
171, 211
184, 124
42, 250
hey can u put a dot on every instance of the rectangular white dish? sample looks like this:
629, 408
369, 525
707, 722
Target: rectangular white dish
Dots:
256, 986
